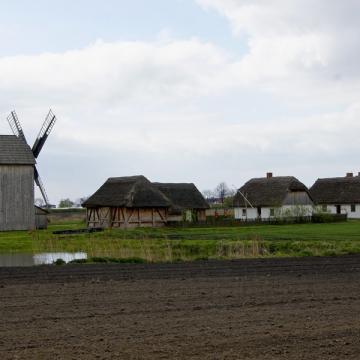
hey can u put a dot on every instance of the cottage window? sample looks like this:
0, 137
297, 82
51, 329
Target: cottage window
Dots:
353, 207
243, 212
324, 208
272, 212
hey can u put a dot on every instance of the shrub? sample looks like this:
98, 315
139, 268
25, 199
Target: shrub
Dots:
59, 262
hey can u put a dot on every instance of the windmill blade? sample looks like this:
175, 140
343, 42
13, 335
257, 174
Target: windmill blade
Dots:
16, 126
44, 133
40, 184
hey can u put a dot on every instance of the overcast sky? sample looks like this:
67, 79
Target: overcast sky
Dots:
196, 91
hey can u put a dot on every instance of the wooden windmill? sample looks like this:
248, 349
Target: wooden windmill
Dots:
38, 144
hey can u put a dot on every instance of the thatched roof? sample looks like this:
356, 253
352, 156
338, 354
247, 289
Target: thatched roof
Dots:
14, 151
268, 191
131, 191
339, 190
183, 195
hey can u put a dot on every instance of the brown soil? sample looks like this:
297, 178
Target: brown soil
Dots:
250, 309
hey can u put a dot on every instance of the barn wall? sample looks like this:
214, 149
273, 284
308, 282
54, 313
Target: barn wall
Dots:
41, 218
175, 217
41, 221
190, 215
201, 215
297, 198
107, 217
219, 212
17, 197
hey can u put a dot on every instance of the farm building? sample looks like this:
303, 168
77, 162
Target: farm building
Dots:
271, 197
339, 195
16, 184
127, 202
135, 201
187, 203
41, 218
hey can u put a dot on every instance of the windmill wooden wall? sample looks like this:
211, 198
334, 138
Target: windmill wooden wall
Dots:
17, 197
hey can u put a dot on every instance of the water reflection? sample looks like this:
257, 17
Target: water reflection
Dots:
26, 259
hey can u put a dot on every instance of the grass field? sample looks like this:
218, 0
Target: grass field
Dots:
179, 244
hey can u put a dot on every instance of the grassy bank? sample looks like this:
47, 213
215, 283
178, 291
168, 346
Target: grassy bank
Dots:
193, 243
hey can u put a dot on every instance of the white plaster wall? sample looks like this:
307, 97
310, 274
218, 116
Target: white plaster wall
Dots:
304, 210
252, 214
265, 213
346, 209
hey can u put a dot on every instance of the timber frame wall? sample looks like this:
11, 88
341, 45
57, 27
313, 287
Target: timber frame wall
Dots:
122, 217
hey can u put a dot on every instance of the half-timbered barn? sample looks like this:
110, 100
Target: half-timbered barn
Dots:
272, 197
127, 202
187, 203
16, 184
338, 195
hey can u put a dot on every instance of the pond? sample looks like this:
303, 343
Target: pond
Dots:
28, 259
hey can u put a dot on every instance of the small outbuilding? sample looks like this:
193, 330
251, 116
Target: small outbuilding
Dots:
127, 202
272, 197
187, 203
16, 184
338, 195
41, 218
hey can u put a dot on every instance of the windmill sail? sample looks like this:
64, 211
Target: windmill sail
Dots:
15, 126
44, 133
39, 143
40, 184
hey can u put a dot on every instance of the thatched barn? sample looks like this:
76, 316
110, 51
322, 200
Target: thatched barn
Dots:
338, 195
16, 184
127, 202
187, 203
272, 196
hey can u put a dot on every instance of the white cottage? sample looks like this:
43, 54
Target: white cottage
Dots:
272, 197
339, 195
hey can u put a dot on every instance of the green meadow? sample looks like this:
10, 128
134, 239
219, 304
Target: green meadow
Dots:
187, 244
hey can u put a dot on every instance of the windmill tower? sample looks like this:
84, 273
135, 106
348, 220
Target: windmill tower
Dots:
38, 144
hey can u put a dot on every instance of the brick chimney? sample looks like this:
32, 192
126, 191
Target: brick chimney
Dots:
269, 175
349, 174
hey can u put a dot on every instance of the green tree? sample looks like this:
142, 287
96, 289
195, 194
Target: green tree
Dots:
65, 203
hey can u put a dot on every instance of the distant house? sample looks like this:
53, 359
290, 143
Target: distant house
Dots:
127, 202
16, 184
339, 195
187, 203
271, 197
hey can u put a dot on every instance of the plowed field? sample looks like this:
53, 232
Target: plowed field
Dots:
246, 309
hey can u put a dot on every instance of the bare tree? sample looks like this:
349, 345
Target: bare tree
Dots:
221, 191
39, 202
80, 201
208, 194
